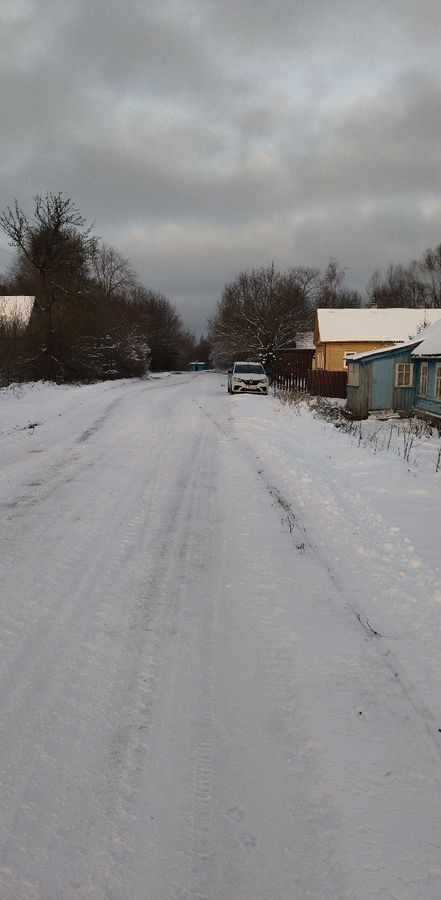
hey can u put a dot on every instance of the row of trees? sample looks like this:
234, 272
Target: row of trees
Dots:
91, 318
417, 285
264, 310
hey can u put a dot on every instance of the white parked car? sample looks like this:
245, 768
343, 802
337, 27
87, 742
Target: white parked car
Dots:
247, 376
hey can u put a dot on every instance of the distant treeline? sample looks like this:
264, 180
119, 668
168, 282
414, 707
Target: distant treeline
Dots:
91, 318
264, 310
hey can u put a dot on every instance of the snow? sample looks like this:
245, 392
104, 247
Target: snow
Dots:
396, 325
220, 669
431, 343
379, 351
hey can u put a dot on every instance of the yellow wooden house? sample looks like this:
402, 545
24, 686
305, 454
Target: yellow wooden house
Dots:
340, 333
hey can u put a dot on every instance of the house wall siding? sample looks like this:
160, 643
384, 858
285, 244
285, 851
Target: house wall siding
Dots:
403, 399
427, 404
333, 354
358, 400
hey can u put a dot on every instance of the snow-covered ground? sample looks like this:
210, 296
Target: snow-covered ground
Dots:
220, 661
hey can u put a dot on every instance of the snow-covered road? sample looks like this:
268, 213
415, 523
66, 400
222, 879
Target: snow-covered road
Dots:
220, 671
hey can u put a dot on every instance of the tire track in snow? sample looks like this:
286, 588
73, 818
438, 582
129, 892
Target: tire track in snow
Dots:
292, 521
153, 691
130, 744
344, 594
195, 857
47, 653
51, 473
49, 660
379, 740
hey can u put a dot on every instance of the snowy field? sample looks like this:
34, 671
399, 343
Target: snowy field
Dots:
220, 666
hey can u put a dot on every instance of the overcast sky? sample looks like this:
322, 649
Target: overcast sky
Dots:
203, 137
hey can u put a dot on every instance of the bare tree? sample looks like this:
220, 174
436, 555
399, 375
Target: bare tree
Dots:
111, 272
332, 293
260, 313
430, 269
307, 280
202, 350
171, 344
398, 286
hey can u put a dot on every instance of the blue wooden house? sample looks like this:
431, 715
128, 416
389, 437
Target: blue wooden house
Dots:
405, 378
381, 380
427, 361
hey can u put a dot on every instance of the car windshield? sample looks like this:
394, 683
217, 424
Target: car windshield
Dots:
249, 369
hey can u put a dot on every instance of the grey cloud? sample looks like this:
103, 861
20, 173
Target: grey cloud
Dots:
386, 146
322, 32
209, 135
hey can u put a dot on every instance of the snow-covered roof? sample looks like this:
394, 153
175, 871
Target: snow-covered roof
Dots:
431, 343
381, 351
16, 307
350, 325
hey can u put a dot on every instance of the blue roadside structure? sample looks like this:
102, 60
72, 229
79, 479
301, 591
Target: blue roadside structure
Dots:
381, 380
405, 379
427, 360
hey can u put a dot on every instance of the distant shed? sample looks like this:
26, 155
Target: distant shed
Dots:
297, 357
293, 358
197, 366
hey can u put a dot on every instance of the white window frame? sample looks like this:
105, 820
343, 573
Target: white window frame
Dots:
347, 357
353, 374
424, 379
438, 381
403, 375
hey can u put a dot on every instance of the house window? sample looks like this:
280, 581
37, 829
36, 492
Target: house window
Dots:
424, 379
438, 381
403, 375
347, 357
354, 374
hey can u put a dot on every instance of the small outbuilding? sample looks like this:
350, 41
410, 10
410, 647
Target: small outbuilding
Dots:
197, 366
381, 380
298, 356
405, 379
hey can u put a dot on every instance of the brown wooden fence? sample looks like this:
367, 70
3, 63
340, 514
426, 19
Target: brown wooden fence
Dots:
313, 381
